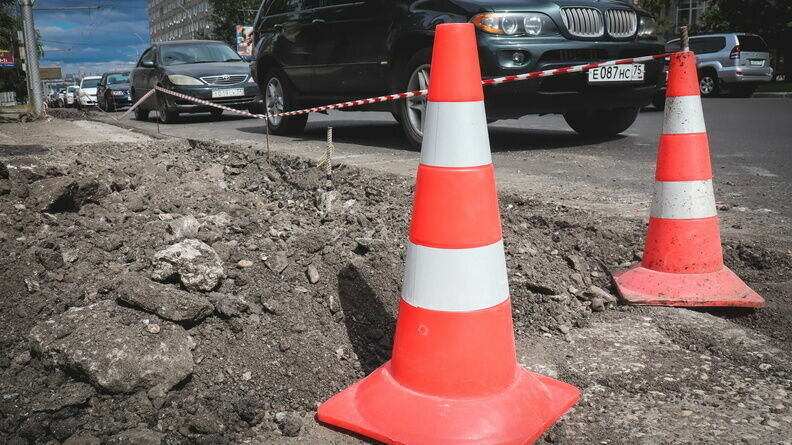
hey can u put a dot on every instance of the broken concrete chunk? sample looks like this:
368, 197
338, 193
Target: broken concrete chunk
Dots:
166, 301
110, 346
64, 194
195, 264
278, 262
70, 394
228, 305
137, 436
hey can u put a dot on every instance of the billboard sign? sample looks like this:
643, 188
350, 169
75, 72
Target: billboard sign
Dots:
244, 40
50, 73
6, 58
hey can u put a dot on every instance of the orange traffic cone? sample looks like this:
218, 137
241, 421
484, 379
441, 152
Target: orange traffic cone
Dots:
453, 378
683, 262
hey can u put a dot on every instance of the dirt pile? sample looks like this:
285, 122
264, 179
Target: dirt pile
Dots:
208, 298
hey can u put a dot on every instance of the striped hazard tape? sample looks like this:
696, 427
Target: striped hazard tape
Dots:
398, 96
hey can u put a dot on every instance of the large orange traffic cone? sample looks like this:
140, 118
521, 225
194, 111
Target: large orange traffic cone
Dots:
453, 378
683, 261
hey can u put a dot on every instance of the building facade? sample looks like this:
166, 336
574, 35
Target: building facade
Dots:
179, 19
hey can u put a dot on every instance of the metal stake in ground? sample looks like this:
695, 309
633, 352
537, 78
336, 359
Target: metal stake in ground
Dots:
327, 161
685, 41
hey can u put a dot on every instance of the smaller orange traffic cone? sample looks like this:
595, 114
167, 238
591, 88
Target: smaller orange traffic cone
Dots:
683, 261
454, 378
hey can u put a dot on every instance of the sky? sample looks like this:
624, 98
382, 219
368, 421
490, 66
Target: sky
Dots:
93, 40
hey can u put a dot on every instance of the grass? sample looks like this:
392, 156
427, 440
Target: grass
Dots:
775, 87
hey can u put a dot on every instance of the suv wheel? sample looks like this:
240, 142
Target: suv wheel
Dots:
600, 123
141, 114
278, 97
412, 111
709, 85
166, 116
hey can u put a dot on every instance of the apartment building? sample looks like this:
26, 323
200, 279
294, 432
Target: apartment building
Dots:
178, 19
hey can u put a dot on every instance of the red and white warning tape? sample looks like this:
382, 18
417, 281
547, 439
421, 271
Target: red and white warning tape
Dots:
397, 96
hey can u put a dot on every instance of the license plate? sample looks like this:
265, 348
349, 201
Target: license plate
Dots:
617, 73
757, 62
229, 92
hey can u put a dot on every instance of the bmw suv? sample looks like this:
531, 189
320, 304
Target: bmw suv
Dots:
314, 52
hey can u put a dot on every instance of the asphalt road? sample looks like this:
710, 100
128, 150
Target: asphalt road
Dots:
541, 157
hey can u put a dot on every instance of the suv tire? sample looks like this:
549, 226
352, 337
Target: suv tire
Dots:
166, 116
709, 84
413, 75
141, 114
278, 97
601, 123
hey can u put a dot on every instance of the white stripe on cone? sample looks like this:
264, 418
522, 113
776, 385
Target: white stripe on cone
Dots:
683, 200
455, 135
683, 115
455, 280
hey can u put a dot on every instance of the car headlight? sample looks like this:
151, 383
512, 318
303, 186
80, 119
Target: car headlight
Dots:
531, 24
647, 28
180, 79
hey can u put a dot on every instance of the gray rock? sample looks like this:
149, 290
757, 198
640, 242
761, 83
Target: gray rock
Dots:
69, 394
166, 301
195, 263
3, 171
137, 436
313, 274
289, 425
278, 262
5, 188
64, 194
228, 305
185, 227
597, 305
541, 289
597, 292
110, 346
82, 439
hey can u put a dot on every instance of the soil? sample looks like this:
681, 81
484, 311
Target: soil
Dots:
308, 302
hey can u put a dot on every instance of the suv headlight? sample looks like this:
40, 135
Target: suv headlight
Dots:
531, 24
647, 28
180, 79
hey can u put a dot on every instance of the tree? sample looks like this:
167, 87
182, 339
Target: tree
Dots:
659, 10
11, 79
227, 14
771, 19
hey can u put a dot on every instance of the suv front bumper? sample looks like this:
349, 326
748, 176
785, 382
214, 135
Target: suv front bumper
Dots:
250, 100
565, 92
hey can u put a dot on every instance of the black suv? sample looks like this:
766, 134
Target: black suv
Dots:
315, 52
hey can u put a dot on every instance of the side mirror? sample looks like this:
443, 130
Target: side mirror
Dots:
147, 64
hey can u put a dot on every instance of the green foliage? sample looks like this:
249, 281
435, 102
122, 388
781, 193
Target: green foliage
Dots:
659, 10
772, 19
229, 13
11, 79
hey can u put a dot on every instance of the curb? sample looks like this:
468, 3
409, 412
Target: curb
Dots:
774, 95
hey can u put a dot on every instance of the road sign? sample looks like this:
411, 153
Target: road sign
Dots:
50, 72
6, 59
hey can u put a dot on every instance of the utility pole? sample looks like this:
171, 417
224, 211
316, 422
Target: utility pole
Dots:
32, 57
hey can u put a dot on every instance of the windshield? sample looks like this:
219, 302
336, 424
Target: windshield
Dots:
115, 79
198, 53
71, 89
89, 83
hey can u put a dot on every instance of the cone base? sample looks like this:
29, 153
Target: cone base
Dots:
380, 408
642, 286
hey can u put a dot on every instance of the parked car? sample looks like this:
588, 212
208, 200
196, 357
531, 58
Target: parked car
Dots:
314, 52
204, 69
113, 91
70, 96
86, 94
736, 61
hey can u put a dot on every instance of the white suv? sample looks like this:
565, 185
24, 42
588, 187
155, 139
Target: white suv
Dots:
737, 61
87, 91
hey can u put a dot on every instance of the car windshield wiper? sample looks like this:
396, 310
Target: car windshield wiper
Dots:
206, 61
232, 60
